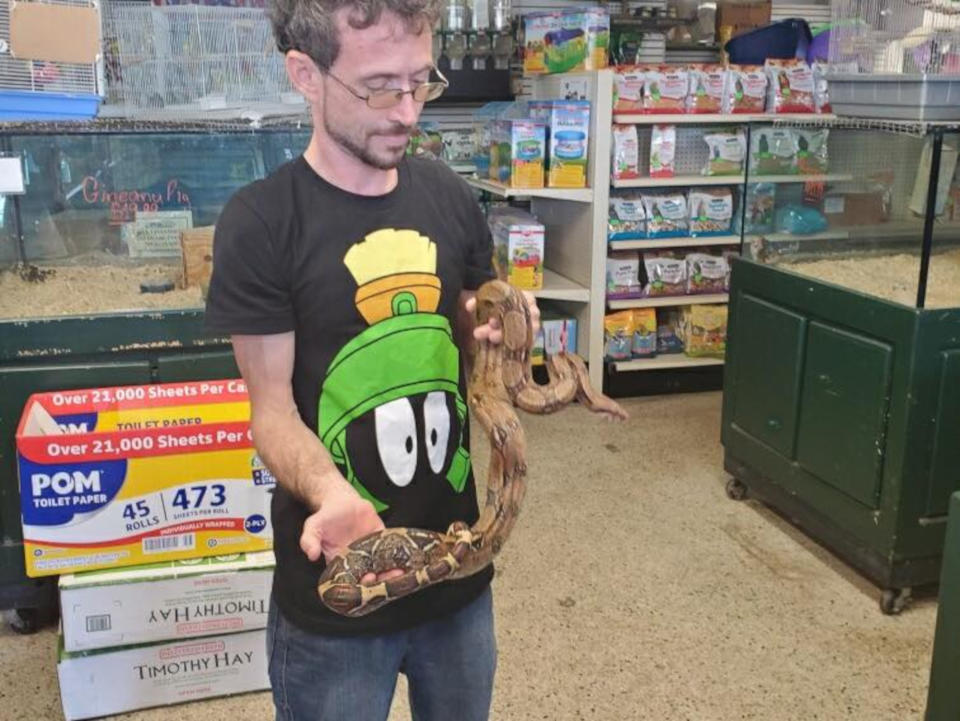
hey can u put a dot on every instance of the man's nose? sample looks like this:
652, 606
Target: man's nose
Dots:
407, 111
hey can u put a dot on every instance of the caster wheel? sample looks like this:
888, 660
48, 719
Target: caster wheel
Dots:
23, 620
893, 601
736, 490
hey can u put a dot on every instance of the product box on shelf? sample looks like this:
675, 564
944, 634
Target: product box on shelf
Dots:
518, 241
556, 335
114, 680
165, 601
848, 209
518, 153
568, 134
122, 476
735, 18
566, 41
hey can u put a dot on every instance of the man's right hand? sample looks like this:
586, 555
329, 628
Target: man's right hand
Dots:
343, 517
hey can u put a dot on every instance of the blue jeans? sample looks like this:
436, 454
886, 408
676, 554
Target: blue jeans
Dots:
449, 664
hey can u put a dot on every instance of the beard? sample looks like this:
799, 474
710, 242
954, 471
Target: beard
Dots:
357, 142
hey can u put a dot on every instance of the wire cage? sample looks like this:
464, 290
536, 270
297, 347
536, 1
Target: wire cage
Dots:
44, 88
191, 57
897, 59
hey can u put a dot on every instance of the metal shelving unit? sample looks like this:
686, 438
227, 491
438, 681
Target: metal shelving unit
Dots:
682, 181
662, 243
667, 301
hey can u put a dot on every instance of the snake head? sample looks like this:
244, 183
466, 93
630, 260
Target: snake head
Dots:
490, 299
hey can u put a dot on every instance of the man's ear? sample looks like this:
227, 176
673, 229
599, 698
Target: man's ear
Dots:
304, 75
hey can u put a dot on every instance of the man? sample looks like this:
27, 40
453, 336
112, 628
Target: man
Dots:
345, 280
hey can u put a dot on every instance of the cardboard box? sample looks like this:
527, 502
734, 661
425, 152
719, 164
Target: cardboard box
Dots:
568, 136
556, 335
518, 153
111, 681
113, 477
739, 17
518, 241
856, 208
165, 601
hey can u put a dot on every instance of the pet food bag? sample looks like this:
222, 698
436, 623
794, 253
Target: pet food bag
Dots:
628, 89
790, 88
711, 211
665, 275
706, 273
626, 220
773, 151
623, 273
665, 89
727, 152
746, 89
618, 330
707, 85
644, 332
812, 151
666, 215
626, 153
663, 148
668, 331
704, 330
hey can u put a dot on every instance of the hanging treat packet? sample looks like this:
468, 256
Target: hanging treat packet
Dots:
706, 273
666, 215
711, 211
707, 84
790, 88
665, 89
628, 89
626, 153
727, 152
663, 148
773, 151
745, 90
665, 275
626, 220
812, 151
644, 332
618, 329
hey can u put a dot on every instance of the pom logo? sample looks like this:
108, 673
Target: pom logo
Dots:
63, 482
53, 495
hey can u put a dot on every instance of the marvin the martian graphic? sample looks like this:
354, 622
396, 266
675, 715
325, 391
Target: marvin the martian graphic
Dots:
390, 411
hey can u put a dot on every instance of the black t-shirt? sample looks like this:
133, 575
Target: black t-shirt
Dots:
370, 285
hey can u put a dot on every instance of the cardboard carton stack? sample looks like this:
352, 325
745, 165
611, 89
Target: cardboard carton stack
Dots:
137, 493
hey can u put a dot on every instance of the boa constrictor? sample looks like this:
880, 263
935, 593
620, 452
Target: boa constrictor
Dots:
501, 379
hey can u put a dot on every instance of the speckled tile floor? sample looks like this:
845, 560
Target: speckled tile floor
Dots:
632, 588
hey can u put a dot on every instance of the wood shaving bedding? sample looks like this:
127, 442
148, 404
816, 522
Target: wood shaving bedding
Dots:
891, 277
92, 290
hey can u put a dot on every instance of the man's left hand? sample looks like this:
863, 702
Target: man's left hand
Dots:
491, 331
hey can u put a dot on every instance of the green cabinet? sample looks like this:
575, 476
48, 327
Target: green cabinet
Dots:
842, 411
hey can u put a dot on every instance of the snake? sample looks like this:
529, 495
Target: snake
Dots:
501, 379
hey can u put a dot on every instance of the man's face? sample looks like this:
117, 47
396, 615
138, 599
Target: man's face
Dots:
385, 55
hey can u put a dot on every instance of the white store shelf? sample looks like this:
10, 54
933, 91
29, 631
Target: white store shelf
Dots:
705, 119
673, 360
681, 180
660, 243
668, 301
580, 195
828, 178
558, 287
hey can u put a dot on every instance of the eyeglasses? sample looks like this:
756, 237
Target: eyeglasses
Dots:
387, 98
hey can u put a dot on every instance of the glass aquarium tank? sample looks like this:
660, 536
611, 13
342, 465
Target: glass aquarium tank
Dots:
103, 265
842, 380
99, 227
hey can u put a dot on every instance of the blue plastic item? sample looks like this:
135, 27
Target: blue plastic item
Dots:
25, 105
785, 39
800, 220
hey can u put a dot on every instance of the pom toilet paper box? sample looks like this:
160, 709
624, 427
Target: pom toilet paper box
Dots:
122, 476
165, 601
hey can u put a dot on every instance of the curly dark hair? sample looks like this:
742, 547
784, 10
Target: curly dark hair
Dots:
309, 25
